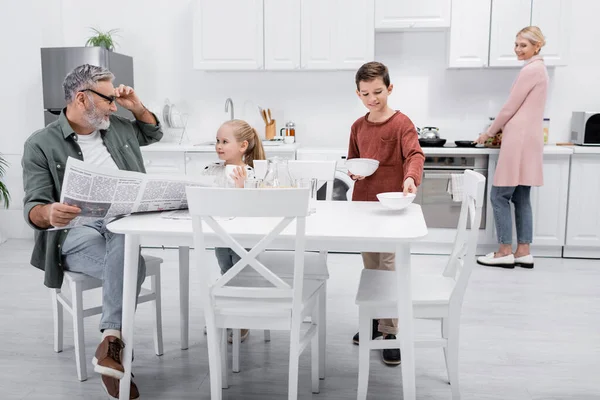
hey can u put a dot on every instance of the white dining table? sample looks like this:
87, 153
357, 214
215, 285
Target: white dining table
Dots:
335, 226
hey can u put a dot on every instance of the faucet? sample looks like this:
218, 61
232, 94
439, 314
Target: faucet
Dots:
227, 103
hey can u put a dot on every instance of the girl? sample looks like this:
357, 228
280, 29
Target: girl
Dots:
521, 153
238, 145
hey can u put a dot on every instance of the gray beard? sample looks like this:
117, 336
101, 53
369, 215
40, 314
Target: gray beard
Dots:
96, 119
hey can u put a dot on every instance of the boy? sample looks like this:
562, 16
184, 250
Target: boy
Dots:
390, 137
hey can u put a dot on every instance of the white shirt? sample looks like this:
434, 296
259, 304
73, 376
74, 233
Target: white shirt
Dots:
94, 151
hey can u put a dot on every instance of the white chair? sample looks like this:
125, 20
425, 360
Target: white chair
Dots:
437, 297
236, 302
282, 262
78, 283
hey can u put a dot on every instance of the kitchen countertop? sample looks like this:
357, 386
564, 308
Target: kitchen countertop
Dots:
206, 147
548, 149
585, 149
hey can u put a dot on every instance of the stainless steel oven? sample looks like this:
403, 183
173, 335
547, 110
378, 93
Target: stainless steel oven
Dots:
439, 209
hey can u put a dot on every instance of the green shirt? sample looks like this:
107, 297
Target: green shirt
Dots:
44, 159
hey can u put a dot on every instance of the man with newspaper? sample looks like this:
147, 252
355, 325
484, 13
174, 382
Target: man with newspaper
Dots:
87, 130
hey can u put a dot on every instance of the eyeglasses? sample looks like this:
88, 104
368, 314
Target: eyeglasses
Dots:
110, 99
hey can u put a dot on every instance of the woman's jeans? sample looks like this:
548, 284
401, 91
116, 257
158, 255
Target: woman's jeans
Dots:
520, 197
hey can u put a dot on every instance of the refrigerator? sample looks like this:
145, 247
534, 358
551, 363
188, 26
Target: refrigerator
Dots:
57, 62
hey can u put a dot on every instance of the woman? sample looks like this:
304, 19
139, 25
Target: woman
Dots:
521, 153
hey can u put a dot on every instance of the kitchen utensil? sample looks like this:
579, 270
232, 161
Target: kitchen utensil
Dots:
465, 143
270, 130
269, 115
362, 166
395, 200
432, 142
278, 174
289, 130
264, 117
430, 132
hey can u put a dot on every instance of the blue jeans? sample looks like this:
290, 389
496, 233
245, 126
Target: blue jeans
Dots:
95, 251
520, 197
226, 258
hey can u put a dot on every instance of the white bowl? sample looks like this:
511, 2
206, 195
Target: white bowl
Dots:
362, 166
395, 200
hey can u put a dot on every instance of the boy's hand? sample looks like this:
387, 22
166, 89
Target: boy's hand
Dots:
239, 176
409, 186
355, 177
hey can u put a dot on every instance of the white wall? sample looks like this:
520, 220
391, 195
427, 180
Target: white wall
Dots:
158, 35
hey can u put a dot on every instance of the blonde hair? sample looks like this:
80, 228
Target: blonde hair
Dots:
243, 131
534, 35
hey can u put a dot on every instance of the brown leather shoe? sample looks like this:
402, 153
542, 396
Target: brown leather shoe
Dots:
111, 386
107, 360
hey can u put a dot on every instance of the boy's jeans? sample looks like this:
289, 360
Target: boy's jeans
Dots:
95, 251
520, 197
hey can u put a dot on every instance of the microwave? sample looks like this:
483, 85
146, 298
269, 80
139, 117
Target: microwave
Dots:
585, 128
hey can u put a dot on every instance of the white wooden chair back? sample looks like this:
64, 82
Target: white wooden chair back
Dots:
323, 171
462, 259
289, 204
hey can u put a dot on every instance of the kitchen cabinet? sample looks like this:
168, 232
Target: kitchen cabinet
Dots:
583, 228
228, 35
510, 16
393, 15
548, 203
469, 39
482, 32
164, 163
293, 35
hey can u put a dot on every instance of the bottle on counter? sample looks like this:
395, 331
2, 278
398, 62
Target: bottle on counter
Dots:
546, 129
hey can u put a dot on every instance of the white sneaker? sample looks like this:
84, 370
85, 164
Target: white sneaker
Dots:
525, 261
503, 262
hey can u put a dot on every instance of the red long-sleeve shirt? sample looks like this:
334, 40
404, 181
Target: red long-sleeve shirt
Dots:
395, 144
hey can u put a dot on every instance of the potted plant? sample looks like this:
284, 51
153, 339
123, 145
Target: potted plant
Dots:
4, 195
102, 39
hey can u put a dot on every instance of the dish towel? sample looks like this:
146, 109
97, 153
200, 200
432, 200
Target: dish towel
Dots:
455, 187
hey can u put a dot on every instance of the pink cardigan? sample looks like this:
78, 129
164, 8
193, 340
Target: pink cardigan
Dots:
521, 120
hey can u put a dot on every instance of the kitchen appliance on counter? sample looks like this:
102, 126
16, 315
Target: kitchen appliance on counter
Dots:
439, 208
585, 128
57, 62
429, 136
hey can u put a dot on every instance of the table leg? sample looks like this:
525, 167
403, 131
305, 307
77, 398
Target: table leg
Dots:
130, 271
405, 320
184, 294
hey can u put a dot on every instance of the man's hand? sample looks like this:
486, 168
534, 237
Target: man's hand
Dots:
409, 186
127, 98
60, 214
355, 177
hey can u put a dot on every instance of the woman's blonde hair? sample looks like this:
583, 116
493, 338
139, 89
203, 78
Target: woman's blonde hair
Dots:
534, 35
243, 131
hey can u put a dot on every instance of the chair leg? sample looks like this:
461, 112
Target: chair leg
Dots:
224, 383
57, 309
214, 356
267, 335
452, 357
294, 358
78, 331
184, 294
322, 325
364, 353
315, 348
444, 326
155, 283
237, 340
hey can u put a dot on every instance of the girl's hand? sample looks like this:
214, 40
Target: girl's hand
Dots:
355, 177
409, 186
239, 176
482, 138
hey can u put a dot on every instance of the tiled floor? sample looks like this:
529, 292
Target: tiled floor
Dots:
525, 335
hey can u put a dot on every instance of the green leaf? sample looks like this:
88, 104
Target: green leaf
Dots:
102, 39
4, 195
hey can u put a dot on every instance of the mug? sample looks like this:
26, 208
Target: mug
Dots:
289, 139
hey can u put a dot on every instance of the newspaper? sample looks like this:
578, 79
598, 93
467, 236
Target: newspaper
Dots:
103, 193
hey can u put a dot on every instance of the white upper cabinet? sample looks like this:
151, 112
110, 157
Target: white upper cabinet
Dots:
228, 35
553, 16
393, 15
469, 33
337, 34
282, 34
508, 18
